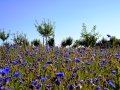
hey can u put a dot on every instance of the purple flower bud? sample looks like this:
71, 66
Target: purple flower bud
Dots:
113, 72
104, 61
88, 63
106, 89
34, 82
98, 88
17, 74
70, 87
49, 62
48, 85
38, 86
77, 60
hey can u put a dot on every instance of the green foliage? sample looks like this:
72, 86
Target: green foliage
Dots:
105, 43
36, 42
20, 39
112, 42
89, 38
51, 42
69, 41
103, 40
76, 43
4, 36
6, 44
45, 29
63, 43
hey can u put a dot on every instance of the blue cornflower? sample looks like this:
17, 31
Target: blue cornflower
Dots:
42, 78
113, 72
34, 48
48, 85
6, 70
15, 62
73, 75
23, 63
81, 51
70, 87
32, 55
34, 82
96, 80
8, 88
83, 67
21, 81
60, 74
49, 62
7, 48
110, 83
56, 80
17, 74
88, 63
27, 85
36, 67
77, 68
82, 82
1, 79
1, 71
39, 77
1, 86
98, 88
91, 80
104, 61
7, 79
38, 86
106, 89
77, 60
44, 66
74, 70
91, 71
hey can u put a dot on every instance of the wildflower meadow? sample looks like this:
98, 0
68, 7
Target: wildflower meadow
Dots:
57, 68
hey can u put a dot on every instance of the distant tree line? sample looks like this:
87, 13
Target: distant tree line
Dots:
46, 30
90, 39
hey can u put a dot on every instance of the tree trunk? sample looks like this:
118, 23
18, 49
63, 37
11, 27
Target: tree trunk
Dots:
43, 40
46, 40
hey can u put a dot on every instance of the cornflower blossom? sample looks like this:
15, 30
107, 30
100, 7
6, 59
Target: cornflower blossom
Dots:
38, 86
17, 74
70, 87
106, 89
113, 72
60, 74
110, 83
77, 60
4, 71
98, 88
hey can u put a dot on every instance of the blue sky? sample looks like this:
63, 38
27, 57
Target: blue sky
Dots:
68, 15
